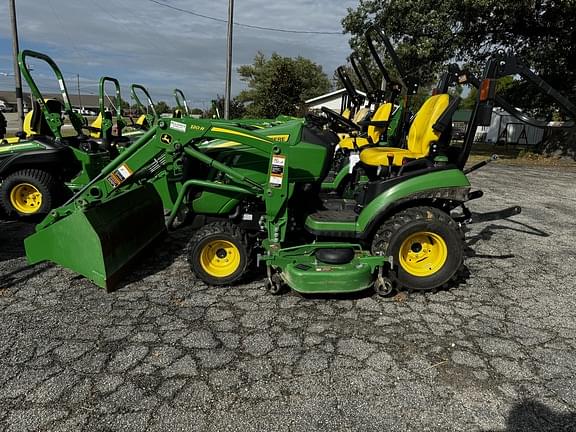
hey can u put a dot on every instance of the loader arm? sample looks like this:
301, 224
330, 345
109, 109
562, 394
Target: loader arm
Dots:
122, 210
156, 155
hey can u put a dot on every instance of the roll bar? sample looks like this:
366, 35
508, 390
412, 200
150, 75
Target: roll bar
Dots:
181, 103
106, 127
356, 98
54, 120
407, 83
372, 89
140, 87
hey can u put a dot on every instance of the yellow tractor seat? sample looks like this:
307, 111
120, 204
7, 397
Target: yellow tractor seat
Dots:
142, 122
361, 114
376, 128
422, 134
27, 125
35, 123
9, 140
390, 156
96, 127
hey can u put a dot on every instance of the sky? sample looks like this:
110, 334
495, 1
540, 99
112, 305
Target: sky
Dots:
141, 41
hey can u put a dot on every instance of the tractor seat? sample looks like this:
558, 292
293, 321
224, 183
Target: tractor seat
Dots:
37, 123
433, 118
96, 127
142, 122
360, 115
377, 126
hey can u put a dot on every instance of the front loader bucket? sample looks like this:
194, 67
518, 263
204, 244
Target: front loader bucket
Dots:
99, 241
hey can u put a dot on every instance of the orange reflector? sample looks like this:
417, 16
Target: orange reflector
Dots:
485, 90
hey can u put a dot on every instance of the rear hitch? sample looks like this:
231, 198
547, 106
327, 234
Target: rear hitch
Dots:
481, 164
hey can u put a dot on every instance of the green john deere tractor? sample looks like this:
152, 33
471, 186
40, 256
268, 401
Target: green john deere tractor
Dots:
255, 197
102, 128
38, 171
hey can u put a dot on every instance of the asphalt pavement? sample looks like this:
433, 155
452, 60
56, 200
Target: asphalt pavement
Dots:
495, 352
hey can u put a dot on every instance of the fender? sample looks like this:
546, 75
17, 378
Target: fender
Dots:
54, 158
442, 185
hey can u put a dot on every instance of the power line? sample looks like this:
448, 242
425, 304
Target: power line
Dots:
71, 39
255, 27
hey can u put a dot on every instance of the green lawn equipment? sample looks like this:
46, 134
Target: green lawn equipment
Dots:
256, 196
109, 127
38, 171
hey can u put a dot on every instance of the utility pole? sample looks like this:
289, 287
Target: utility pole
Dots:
227, 90
79, 97
17, 76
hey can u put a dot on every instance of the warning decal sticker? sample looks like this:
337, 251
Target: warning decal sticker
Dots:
119, 175
277, 170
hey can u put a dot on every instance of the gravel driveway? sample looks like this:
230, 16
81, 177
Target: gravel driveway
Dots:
495, 353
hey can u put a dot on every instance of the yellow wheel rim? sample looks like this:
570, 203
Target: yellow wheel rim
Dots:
220, 258
26, 198
423, 254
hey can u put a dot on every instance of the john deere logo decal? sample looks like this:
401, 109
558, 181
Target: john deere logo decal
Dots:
166, 139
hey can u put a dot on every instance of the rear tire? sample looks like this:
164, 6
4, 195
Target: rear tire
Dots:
426, 245
219, 253
27, 193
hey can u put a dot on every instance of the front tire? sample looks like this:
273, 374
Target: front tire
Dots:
426, 245
28, 193
219, 253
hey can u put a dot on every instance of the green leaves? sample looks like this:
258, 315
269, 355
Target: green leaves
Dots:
429, 34
280, 85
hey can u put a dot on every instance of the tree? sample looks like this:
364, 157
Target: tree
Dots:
280, 85
124, 105
504, 85
196, 111
162, 107
237, 108
430, 33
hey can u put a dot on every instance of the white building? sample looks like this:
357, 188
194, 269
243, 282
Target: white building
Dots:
332, 100
507, 129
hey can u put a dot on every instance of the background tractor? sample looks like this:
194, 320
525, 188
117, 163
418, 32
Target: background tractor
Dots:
39, 171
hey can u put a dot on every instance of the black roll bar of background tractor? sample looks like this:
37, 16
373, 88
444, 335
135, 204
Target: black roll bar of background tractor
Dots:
364, 78
407, 83
356, 98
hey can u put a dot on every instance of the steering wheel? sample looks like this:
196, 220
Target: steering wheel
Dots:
317, 120
340, 120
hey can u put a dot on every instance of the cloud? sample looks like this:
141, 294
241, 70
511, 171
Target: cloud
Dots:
161, 48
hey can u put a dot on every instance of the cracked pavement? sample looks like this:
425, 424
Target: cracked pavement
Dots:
495, 353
